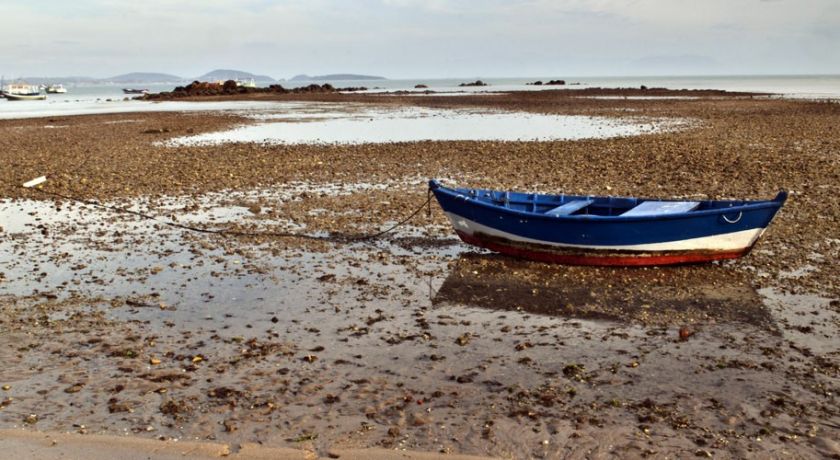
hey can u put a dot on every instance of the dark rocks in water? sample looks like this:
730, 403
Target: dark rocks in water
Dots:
231, 87
315, 88
643, 87
475, 83
550, 82
420, 86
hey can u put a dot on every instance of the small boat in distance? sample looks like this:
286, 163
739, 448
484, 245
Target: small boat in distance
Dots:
25, 97
23, 92
135, 91
56, 89
592, 230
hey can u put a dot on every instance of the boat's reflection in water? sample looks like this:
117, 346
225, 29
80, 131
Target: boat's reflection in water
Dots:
684, 294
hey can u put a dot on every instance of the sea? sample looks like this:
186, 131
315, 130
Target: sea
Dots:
109, 98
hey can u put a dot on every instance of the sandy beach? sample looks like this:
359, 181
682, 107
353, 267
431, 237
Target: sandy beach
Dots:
127, 328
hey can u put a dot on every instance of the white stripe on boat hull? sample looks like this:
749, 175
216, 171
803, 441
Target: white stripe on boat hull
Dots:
724, 242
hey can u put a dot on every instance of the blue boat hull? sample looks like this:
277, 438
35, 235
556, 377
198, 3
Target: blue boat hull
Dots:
719, 230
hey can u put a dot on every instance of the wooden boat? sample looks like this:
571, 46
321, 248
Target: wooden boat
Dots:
135, 91
25, 97
591, 230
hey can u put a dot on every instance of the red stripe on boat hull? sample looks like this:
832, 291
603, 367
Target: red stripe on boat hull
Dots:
572, 256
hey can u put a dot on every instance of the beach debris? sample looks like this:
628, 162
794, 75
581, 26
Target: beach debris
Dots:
685, 333
230, 425
35, 181
74, 388
575, 372
304, 437
176, 408
224, 393
156, 131
463, 339
30, 419
117, 406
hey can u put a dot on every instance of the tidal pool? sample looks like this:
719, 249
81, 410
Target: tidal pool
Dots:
301, 125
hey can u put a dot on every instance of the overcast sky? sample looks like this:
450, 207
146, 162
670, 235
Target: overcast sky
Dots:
420, 38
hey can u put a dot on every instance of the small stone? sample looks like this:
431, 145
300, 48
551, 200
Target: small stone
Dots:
74, 389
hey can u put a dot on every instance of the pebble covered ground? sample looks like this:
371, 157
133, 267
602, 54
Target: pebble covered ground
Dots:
114, 324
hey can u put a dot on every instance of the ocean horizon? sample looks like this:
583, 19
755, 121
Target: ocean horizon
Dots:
793, 85
109, 98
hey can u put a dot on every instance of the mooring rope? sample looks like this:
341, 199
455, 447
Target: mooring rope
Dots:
236, 233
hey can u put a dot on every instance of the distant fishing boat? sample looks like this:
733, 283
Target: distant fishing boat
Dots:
592, 230
23, 92
56, 89
25, 97
135, 91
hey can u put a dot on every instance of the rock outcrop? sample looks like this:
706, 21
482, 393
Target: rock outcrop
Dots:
231, 87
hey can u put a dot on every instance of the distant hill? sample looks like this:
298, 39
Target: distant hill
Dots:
144, 77
335, 77
229, 74
56, 80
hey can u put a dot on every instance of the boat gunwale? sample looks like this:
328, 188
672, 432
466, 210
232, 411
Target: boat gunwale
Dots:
777, 202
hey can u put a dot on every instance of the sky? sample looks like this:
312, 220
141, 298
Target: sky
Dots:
420, 38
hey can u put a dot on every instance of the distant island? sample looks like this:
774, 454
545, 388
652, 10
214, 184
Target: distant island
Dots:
212, 76
230, 74
151, 77
133, 77
74, 80
335, 77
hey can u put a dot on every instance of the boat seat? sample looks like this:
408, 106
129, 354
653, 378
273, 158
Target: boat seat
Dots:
661, 208
569, 208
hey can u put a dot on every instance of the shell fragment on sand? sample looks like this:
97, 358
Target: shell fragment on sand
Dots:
35, 181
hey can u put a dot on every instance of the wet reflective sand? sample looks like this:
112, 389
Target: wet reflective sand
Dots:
117, 325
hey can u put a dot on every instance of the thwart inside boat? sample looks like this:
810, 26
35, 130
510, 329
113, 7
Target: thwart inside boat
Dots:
574, 205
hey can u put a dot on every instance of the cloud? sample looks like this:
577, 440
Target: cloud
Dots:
411, 37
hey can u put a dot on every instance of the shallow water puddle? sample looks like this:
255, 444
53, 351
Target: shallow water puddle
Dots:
300, 125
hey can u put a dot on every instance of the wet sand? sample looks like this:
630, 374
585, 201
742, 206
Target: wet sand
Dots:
114, 325
49, 446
